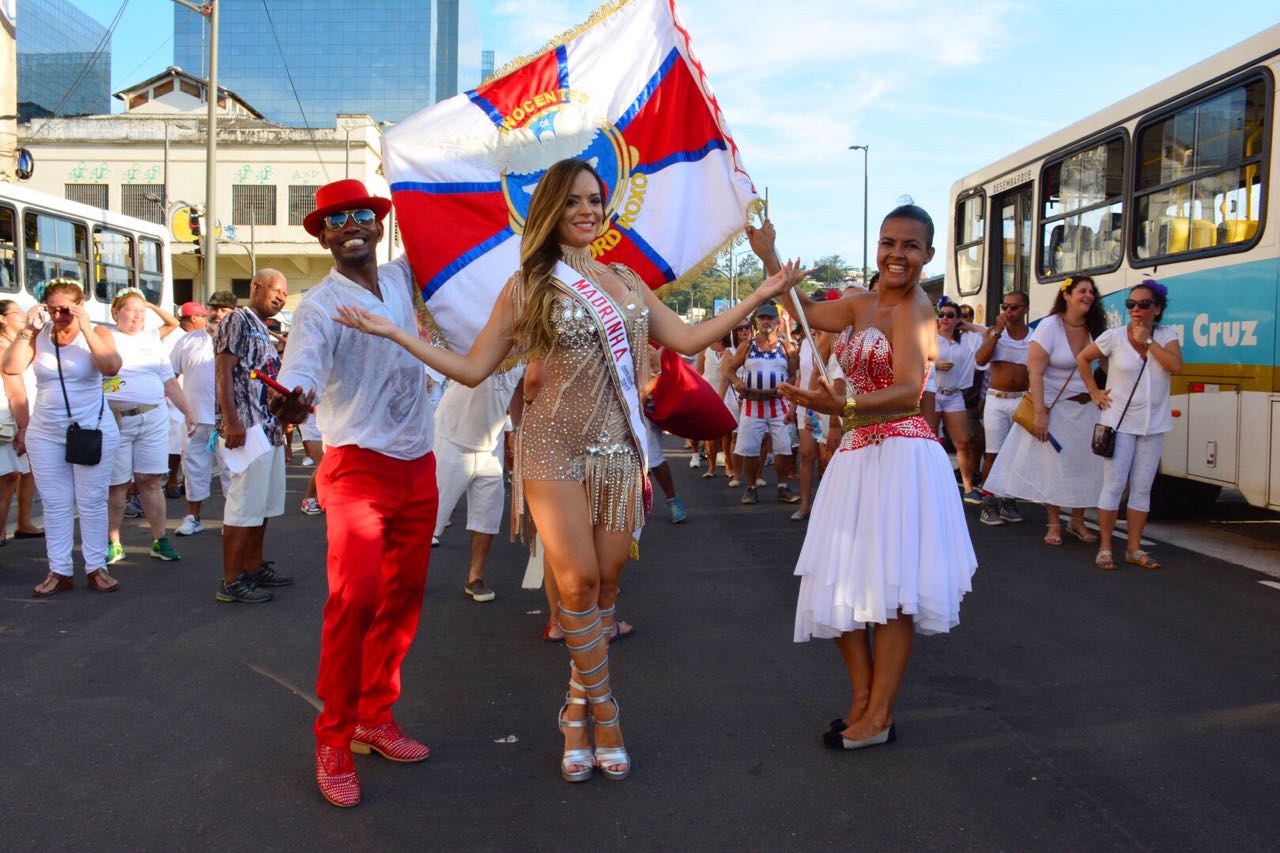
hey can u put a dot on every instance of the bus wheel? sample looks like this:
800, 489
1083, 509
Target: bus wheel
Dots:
1175, 497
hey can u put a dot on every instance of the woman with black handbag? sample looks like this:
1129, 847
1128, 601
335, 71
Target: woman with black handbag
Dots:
1140, 359
70, 443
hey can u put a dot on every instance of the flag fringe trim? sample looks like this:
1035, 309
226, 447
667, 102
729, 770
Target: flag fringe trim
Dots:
564, 38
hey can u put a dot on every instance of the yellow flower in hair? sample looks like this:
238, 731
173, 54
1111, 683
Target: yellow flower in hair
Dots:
1066, 284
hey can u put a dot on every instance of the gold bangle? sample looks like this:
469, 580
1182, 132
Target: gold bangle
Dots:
850, 408
23, 335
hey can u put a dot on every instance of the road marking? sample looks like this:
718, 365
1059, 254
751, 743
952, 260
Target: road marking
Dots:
297, 691
1272, 584
1121, 527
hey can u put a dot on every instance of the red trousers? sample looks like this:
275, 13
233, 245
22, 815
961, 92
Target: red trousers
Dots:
380, 513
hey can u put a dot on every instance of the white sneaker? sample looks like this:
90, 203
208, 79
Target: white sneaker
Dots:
760, 481
694, 461
190, 526
307, 460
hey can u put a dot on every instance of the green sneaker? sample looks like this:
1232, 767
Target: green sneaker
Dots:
162, 550
115, 553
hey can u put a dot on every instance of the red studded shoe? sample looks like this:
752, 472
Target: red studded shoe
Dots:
336, 776
388, 741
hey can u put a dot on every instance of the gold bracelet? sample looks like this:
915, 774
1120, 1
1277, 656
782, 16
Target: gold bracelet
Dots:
850, 409
23, 335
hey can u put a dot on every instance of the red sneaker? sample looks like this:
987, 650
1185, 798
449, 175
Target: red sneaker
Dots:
388, 741
336, 776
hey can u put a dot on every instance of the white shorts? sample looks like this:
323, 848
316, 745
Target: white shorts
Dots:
751, 433
309, 430
953, 402
143, 447
11, 462
257, 492
478, 473
997, 420
177, 429
653, 441
198, 462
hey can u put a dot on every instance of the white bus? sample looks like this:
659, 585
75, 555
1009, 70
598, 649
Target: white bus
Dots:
43, 237
1173, 183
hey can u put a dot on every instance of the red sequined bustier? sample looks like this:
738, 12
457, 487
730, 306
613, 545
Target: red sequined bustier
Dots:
867, 361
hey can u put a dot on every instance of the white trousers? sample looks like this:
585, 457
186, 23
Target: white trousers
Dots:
479, 474
65, 489
198, 463
1135, 461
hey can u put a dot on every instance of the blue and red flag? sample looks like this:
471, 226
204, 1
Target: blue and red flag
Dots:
625, 92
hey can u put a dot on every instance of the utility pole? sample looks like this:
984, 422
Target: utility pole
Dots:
866, 150
208, 239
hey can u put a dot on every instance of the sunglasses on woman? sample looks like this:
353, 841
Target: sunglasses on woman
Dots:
1144, 304
363, 216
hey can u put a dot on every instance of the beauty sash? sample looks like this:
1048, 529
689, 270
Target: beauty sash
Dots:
612, 328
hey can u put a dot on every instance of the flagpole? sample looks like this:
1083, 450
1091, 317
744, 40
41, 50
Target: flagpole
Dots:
795, 301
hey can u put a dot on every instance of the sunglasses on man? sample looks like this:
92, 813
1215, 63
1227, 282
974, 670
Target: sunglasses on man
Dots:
947, 315
1010, 306
1144, 304
363, 216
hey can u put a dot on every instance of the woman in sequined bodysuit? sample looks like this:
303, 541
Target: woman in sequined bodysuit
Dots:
578, 468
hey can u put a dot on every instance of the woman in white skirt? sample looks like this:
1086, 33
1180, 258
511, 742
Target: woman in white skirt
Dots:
887, 542
1054, 464
136, 398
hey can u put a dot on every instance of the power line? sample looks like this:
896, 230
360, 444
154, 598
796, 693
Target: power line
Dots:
157, 49
298, 99
93, 57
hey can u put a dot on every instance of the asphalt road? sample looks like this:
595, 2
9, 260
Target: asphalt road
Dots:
1071, 710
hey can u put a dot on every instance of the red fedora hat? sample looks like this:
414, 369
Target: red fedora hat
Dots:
348, 194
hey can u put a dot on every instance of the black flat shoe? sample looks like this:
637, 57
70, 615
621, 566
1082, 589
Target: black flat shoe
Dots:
838, 725
834, 740
25, 534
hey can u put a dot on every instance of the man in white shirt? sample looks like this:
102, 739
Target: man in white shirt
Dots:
188, 313
377, 483
192, 360
470, 423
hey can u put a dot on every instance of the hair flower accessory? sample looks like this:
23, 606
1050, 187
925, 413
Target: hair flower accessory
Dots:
1066, 284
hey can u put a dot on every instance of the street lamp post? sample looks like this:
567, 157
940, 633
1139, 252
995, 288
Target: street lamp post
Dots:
865, 149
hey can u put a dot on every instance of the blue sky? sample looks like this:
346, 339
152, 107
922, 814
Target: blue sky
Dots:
938, 89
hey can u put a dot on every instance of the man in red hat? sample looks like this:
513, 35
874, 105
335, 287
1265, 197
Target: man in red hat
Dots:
377, 483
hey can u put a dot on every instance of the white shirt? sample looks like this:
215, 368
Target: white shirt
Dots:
192, 359
475, 418
370, 393
961, 354
1052, 338
144, 368
1150, 412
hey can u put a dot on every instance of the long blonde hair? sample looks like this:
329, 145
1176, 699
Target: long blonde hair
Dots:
540, 250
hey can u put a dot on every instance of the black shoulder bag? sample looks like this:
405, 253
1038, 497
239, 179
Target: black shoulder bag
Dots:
1104, 437
84, 446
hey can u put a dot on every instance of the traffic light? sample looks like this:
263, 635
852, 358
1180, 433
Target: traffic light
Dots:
193, 223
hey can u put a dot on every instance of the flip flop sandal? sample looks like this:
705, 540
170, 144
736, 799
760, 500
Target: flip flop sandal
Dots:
1105, 561
546, 635
1083, 535
708, 475
1051, 538
619, 633
1141, 558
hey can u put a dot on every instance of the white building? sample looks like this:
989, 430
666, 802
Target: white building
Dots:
267, 175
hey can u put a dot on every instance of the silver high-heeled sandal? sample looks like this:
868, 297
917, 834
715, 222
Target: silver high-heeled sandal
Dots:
607, 756
581, 757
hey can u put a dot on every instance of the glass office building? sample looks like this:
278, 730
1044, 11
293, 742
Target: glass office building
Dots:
388, 59
58, 73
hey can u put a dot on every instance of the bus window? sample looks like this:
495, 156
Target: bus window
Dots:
8, 250
1199, 181
970, 229
112, 263
1013, 266
150, 269
1081, 213
54, 248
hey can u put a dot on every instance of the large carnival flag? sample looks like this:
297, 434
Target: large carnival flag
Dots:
625, 92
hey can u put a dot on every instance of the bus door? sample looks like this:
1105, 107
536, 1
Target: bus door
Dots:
1011, 265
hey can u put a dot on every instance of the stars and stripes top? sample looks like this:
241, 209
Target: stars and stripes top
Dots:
765, 370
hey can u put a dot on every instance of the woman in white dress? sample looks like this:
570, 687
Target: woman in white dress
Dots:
1136, 405
1054, 464
887, 542
708, 365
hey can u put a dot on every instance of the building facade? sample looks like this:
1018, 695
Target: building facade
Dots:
387, 59
267, 175
64, 61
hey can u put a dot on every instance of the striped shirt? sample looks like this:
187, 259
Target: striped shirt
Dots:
765, 369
